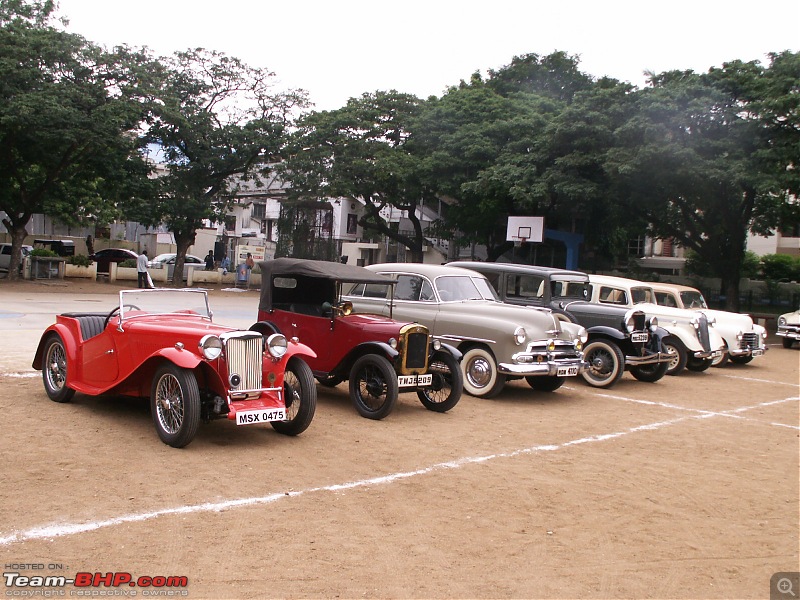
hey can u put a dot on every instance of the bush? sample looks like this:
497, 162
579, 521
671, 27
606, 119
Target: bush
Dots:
80, 260
780, 267
43, 252
131, 262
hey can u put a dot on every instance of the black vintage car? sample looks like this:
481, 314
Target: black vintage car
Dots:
619, 338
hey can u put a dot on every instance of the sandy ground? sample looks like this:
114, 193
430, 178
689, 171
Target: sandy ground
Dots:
687, 488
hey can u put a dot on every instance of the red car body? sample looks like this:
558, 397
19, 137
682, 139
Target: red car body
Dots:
181, 360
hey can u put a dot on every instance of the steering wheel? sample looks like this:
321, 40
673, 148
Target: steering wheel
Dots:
115, 310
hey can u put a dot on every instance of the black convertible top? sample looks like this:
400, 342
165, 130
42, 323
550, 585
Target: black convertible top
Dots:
316, 279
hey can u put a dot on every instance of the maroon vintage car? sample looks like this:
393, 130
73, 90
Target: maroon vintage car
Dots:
377, 355
162, 344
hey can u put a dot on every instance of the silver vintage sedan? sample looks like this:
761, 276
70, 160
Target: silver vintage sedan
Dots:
499, 341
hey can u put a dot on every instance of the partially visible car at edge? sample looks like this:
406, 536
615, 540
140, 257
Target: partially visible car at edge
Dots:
499, 342
378, 356
167, 261
789, 328
744, 340
5, 256
620, 338
693, 342
106, 256
162, 345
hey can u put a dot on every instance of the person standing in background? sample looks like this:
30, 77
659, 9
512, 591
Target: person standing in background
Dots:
141, 269
89, 245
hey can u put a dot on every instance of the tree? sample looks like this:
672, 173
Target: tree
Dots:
217, 123
65, 120
360, 152
707, 158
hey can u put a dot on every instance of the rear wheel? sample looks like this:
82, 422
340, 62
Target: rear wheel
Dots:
545, 383
175, 405
300, 395
448, 383
373, 386
54, 370
677, 353
606, 363
479, 369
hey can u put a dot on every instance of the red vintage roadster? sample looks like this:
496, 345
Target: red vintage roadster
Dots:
162, 344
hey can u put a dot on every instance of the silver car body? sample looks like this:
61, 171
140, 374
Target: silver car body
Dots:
690, 326
460, 307
5, 255
742, 337
167, 261
789, 328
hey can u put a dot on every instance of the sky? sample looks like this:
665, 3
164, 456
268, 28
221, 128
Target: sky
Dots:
338, 49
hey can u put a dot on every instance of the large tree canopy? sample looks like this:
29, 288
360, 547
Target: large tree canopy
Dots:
217, 122
65, 122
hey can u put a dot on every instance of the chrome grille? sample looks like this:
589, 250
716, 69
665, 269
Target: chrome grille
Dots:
413, 347
243, 352
639, 321
749, 341
702, 331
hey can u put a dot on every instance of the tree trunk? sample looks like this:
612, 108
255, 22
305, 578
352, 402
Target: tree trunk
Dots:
182, 242
18, 233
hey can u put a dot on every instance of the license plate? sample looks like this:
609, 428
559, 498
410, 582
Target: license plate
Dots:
253, 417
758, 352
716, 353
567, 371
414, 380
639, 337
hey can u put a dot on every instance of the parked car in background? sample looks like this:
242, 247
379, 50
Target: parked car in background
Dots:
620, 338
789, 328
378, 356
162, 344
5, 256
744, 340
60, 247
693, 342
106, 256
167, 261
499, 342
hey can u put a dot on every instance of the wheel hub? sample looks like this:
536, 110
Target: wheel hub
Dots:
480, 373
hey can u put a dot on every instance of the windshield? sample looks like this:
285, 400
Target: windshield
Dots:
693, 299
453, 288
642, 294
163, 301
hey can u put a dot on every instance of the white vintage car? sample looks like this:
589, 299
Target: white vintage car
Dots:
744, 340
693, 341
498, 341
789, 328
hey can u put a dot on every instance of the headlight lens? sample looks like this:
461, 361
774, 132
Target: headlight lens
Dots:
519, 336
210, 347
437, 344
781, 320
276, 345
393, 343
711, 319
653, 324
583, 335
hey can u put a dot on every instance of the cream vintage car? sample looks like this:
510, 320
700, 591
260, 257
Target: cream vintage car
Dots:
693, 342
498, 341
789, 328
744, 340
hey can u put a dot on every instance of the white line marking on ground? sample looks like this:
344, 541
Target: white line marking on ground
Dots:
22, 375
53, 531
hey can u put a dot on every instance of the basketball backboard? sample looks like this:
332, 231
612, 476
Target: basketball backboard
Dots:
525, 229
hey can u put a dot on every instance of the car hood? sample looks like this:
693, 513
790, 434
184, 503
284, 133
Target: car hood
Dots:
174, 324
542, 318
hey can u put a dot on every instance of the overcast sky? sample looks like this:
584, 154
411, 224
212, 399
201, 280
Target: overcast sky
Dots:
337, 49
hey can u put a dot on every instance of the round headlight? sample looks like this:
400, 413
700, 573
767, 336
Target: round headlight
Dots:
437, 344
393, 342
583, 335
653, 324
781, 320
519, 336
210, 347
711, 319
276, 345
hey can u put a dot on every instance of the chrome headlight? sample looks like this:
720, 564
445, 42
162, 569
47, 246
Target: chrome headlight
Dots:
696, 322
437, 344
764, 334
520, 336
711, 319
653, 324
276, 345
739, 335
393, 343
210, 347
781, 320
583, 335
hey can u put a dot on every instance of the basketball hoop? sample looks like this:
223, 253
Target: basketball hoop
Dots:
519, 242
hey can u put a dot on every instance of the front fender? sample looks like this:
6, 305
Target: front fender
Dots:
454, 352
182, 358
605, 331
299, 349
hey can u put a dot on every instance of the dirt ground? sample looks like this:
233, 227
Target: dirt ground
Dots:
686, 488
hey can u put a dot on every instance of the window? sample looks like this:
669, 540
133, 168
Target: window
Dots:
525, 286
611, 295
414, 288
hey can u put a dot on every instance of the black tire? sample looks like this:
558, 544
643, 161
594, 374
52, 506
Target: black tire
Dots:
650, 373
300, 394
330, 381
448, 384
698, 365
373, 386
606, 363
787, 342
175, 405
54, 370
479, 371
677, 351
545, 383
741, 360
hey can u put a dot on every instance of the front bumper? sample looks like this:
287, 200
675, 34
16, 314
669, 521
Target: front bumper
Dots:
648, 359
706, 354
789, 332
572, 366
268, 398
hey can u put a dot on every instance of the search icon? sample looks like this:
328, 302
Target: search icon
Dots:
785, 586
